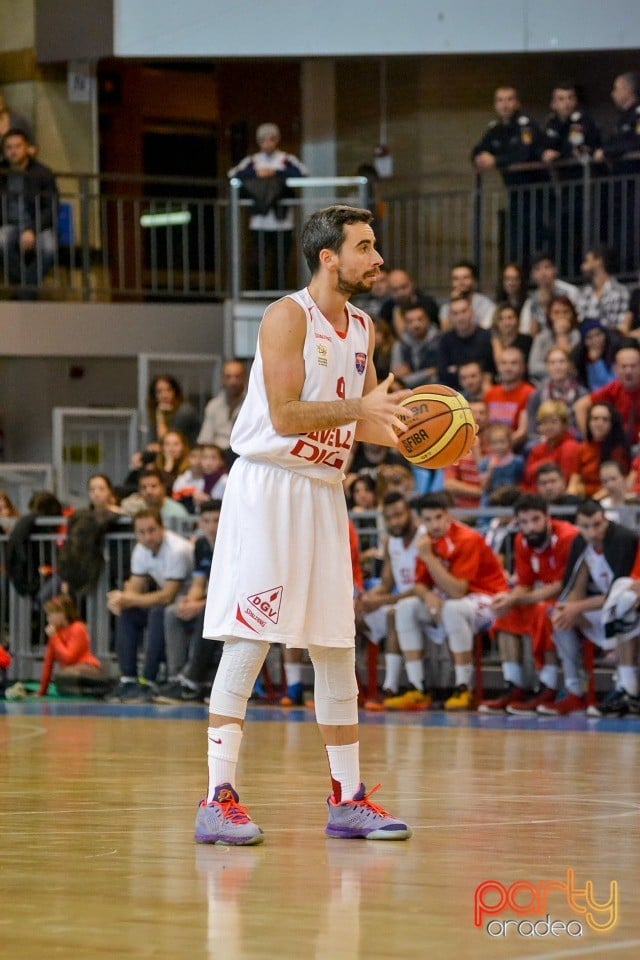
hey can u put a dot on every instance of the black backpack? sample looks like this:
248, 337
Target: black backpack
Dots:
81, 557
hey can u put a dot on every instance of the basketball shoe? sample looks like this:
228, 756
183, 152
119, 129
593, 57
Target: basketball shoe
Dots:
360, 818
570, 703
526, 708
461, 699
511, 695
617, 703
411, 700
294, 697
377, 703
224, 821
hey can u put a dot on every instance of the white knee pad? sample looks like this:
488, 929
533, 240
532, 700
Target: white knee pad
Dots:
336, 689
240, 665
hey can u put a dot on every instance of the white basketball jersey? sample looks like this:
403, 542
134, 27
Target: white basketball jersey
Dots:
334, 369
403, 560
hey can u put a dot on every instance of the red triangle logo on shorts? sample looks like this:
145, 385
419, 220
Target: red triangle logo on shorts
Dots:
268, 603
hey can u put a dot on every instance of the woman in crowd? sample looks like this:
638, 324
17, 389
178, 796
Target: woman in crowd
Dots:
513, 287
168, 410
605, 441
594, 356
560, 384
505, 332
385, 339
79, 673
103, 498
8, 511
562, 332
173, 458
558, 445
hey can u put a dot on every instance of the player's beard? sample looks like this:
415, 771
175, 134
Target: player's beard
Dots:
351, 288
537, 540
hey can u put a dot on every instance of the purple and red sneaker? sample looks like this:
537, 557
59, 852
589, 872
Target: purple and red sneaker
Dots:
363, 819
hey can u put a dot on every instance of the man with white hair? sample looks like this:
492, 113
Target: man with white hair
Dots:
264, 175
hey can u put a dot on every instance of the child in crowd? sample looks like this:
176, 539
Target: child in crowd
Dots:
501, 467
79, 673
205, 479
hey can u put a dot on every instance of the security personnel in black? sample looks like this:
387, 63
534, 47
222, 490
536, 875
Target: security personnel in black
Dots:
622, 151
510, 141
571, 137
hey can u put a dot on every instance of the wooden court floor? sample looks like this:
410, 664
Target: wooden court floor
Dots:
97, 858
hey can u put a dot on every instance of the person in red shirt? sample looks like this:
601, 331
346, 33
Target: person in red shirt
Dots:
508, 400
457, 576
462, 478
541, 548
558, 446
605, 441
79, 673
623, 393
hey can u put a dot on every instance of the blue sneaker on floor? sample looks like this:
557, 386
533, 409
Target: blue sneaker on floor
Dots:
361, 818
294, 697
225, 821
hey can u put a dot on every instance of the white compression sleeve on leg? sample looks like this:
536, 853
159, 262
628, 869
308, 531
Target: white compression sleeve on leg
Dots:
336, 689
240, 665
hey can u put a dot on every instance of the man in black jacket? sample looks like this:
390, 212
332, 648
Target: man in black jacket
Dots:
28, 215
603, 552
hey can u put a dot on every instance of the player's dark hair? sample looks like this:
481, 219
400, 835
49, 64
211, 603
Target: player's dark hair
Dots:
324, 230
589, 508
442, 500
530, 501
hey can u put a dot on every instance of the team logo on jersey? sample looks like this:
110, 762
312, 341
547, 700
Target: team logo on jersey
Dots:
268, 602
361, 362
323, 354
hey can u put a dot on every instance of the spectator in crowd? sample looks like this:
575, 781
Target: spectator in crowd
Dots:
403, 293
463, 342
604, 298
28, 216
221, 412
594, 356
464, 282
512, 288
557, 447
380, 603
605, 440
462, 479
562, 331
632, 316
542, 548
414, 358
191, 658
103, 498
507, 400
214, 471
560, 384
505, 332
161, 563
379, 294
623, 392
473, 381
617, 502
173, 458
188, 487
501, 467
152, 492
364, 503
385, 340
626, 97
363, 494
13, 121
78, 673
169, 410
264, 177
544, 277
570, 132
603, 552
457, 575
8, 512
551, 484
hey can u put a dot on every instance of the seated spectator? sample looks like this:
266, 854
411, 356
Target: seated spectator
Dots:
13, 121
605, 440
152, 492
8, 511
561, 331
173, 458
632, 317
551, 484
594, 357
474, 382
623, 393
161, 563
28, 216
400, 478
464, 341
373, 301
221, 412
214, 471
168, 410
31, 565
403, 294
192, 659
512, 288
102, 496
414, 358
501, 467
505, 332
617, 502
507, 400
604, 298
78, 673
559, 384
462, 479
385, 340
369, 458
464, 283
558, 446
603, 552
544, 279
542, 548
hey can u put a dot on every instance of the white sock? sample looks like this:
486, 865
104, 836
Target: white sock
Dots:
293, 673
415, 673
628, 680
464, 673
549, 676
222, 754
344, 764
392, 671
512, 673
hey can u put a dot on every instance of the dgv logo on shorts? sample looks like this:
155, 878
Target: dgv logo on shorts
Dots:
268, 603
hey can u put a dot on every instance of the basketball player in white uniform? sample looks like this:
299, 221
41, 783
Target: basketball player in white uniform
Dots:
281, 568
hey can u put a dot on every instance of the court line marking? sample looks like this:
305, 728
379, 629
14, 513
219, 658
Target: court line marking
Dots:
600, 949
25, 732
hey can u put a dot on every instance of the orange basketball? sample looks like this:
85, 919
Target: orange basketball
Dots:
439, 426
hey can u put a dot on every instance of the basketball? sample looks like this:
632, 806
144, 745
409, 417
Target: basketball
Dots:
439, 426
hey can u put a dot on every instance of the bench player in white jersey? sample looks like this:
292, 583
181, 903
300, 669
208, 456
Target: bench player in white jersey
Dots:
281, 569
379, 605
